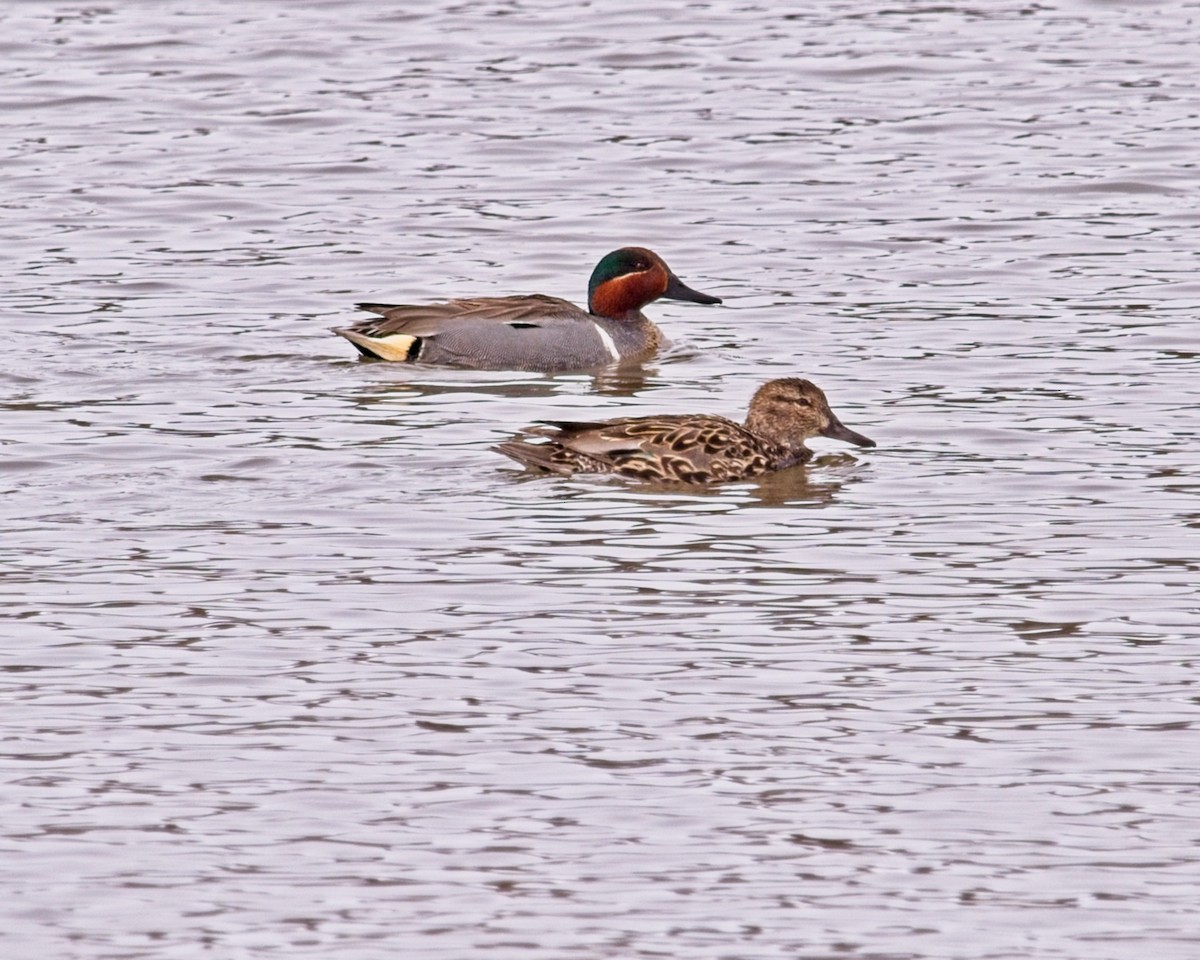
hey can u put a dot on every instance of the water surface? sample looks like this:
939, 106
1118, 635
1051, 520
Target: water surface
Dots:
298, 667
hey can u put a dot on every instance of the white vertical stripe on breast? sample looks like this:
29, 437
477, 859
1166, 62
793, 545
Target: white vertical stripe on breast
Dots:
607, 341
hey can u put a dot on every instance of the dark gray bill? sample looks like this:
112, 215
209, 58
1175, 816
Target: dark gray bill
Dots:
678, 290
839, 431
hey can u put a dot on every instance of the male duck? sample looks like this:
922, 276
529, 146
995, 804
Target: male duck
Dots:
533, 332
691, 448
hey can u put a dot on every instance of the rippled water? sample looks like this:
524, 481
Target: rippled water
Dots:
296, 666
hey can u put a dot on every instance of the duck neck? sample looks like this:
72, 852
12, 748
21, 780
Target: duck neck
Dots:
622, 298
765, 423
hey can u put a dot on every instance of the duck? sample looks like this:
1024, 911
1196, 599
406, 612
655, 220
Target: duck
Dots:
533, 332
692, 448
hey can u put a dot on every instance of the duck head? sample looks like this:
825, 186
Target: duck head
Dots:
626, 280
791, 410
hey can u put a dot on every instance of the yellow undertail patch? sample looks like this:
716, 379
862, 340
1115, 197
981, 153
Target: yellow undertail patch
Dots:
395, 346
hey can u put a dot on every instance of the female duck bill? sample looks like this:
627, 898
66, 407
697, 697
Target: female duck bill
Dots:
836, 430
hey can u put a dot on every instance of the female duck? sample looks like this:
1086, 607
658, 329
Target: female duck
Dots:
533, 332
691, 448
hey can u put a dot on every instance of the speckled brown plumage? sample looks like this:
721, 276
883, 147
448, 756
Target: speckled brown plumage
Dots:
690, 448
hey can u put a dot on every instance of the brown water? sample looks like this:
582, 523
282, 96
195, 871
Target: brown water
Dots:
296, 667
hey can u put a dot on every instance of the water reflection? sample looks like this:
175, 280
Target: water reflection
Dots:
431, 382
819, 482
816, 483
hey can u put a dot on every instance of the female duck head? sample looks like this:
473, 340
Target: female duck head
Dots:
791, 410
626, 280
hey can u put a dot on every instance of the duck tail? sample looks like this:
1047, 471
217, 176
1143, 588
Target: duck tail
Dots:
396, 346
539, 456
379, 308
